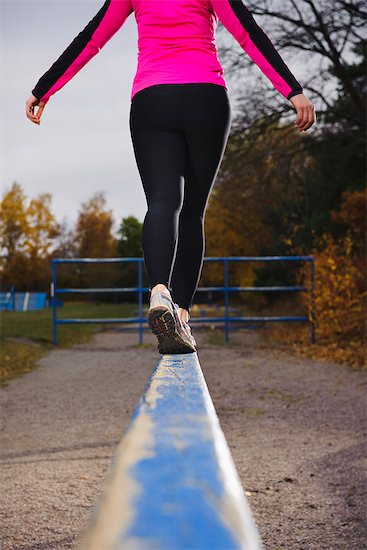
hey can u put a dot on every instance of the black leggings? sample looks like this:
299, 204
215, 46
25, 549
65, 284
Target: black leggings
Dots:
179, 134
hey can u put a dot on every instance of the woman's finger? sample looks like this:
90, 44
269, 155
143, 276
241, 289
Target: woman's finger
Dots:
305, 120
305, 109
31, 103
40, 111
311, 117
301, 118
30, 111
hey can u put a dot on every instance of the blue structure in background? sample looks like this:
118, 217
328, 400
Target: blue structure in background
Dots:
22, 301
7, 300
226, 319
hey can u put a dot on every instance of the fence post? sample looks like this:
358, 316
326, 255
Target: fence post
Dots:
12, 297
313, 314
226, 298
53, 297
140, 299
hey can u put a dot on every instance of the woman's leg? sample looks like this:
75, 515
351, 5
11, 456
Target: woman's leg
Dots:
160, 155
207, 125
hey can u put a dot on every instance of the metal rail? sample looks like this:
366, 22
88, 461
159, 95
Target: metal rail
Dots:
227, 319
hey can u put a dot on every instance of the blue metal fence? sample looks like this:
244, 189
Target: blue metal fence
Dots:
7, 300
22, 301
227, 319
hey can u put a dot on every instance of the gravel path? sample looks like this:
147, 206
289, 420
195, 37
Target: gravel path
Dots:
296, 429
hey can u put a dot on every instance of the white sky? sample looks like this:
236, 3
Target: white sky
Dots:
83, 144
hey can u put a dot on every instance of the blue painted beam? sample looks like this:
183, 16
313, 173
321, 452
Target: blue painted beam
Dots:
173, 484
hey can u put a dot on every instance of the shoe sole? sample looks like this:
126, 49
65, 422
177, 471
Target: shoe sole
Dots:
162, 323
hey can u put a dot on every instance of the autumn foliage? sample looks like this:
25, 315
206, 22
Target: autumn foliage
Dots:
28, 230
340, 286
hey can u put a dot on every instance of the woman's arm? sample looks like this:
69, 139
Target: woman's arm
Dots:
85, 45
241, 24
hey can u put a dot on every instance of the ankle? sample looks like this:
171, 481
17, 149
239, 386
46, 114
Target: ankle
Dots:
160, 288
184, 314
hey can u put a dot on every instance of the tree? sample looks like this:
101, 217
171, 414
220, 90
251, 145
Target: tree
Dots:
94, 239
65, 245
130, 246
42, 227
93, 233
352, 217
315, 169
27, 234
321, 33
262, 174
338, 153
13, 220
130, 231
29, 229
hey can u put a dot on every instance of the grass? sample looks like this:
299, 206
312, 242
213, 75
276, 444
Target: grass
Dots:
215, 337
25, 337
17, 359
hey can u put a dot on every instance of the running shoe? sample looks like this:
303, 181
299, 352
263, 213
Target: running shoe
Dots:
169, 328
188, 330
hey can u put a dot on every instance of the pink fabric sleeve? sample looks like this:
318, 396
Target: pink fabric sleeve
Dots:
85, 45
237, 19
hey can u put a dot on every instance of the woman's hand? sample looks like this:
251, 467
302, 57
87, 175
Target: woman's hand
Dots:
306, 114
30, 105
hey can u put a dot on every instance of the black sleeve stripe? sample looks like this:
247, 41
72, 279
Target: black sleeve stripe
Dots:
264, 45
74, 49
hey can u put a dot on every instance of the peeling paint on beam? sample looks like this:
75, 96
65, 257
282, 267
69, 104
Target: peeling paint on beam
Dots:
173, 484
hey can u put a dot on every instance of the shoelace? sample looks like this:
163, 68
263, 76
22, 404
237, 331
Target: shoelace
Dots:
182, 322
176, 308
188, 328
185, 325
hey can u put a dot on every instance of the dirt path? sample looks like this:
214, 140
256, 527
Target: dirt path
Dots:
296, 429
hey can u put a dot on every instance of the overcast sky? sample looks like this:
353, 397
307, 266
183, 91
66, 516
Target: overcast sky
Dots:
83, 143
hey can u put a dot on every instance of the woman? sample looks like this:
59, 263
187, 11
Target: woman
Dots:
180, 118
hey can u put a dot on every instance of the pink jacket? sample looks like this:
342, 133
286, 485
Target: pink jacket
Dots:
176, 44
